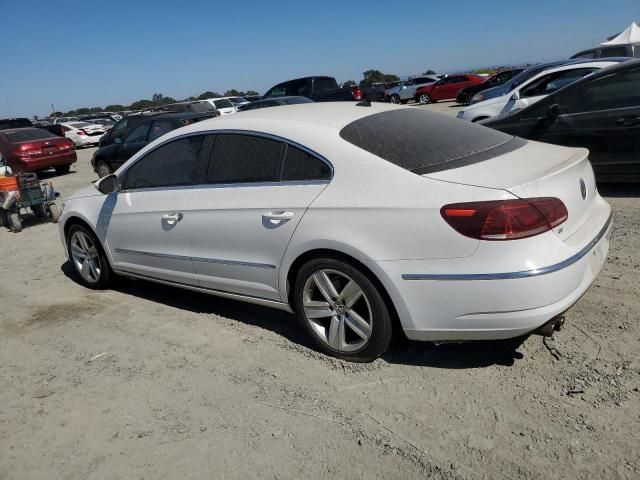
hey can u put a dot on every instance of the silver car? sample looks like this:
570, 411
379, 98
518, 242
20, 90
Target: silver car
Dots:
407, 91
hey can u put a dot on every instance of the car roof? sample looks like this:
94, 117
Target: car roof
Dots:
576, 65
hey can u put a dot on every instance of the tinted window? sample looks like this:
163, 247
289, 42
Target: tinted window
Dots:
138, 134
14, 123
420, 81
170, 165
223, 103
554, 81
322, 84
297, 87
614, 52
244, 159
588, 54
121, 124
278, 91
295, 100
159, 128
26, 134
425, 142
300, 165
613, 91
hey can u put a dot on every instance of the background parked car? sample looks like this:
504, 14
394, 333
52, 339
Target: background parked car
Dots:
64, 119
237, 101
107, 123
7, 123
405, 91
83, 134
446, 87
532, 90
624, 44
324, 89
109, 158
464, 95
32, 149
273, 102
600, 112
222, 105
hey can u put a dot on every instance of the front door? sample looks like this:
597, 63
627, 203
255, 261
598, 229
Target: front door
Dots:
144, 224
241, 220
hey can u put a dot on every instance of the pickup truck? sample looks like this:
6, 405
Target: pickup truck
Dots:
325, 89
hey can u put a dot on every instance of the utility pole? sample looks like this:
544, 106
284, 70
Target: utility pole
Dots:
53, 110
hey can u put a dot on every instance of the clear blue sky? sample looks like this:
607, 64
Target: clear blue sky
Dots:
79, 54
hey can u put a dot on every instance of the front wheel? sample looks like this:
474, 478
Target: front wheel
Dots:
342, 310
395, 99
88, 258
424, 99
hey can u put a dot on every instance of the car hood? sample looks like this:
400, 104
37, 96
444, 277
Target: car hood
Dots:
494, 92
90, 191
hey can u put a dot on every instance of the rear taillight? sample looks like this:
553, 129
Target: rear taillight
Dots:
356, 92
27, 151
505, 219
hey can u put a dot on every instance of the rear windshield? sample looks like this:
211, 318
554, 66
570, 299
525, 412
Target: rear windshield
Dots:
27, 134
426, 142
80, 125
223, 103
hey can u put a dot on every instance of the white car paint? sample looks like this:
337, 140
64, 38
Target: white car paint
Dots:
443, 285
516, 100
83, 133
223, 105
407, 90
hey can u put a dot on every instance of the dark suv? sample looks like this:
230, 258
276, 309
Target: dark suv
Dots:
629, 50
147, 128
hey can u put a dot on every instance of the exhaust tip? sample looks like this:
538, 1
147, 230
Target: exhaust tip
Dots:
553, 325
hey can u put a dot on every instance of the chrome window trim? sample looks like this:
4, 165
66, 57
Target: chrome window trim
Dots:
236, 263
269, 136
515, 275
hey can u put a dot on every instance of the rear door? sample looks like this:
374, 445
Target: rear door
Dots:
241, 219
145, 223
132, 143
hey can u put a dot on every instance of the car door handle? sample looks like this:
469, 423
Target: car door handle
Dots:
278, 217
627, 121
173, 218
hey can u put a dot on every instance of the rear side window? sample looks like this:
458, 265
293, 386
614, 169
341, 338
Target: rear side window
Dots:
425, 142
322, 84
159, 128
172, 164
300, 165
614, 52
244, 159
138, 134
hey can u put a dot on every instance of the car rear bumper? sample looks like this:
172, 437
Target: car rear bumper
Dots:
484, 306
34, 164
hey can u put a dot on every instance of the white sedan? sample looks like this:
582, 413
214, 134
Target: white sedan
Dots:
83, 134
534, 89
361, 219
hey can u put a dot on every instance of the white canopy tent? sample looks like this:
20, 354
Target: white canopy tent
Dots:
630, 35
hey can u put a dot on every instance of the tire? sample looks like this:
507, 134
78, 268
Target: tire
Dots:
62, 169
361, 321
53, 212
15, 224
102, 169
424, 99
395, 99
88, 258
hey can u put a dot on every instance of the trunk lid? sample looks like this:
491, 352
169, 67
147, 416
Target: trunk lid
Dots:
537, 170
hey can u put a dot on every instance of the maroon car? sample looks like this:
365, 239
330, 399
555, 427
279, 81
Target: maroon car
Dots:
32, 149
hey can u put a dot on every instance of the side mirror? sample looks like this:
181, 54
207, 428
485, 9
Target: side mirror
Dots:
108, 184
553, 111
516, 95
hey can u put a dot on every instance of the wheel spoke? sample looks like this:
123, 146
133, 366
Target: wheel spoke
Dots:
323, 282
314, 309
336, 332
86, 268
83, 242
94, 269
78, 252
358, 324
350, 294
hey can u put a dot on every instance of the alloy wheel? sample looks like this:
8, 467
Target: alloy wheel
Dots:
337, 310
424, 99
86, 257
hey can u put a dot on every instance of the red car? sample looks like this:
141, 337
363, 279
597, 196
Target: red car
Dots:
446, 88
32, 149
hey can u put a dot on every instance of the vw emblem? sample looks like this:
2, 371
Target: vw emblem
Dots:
583, 189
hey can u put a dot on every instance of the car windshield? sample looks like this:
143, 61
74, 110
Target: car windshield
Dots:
424, 142
223, 103
27, 134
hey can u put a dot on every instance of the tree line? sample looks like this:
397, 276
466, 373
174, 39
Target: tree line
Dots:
157, 100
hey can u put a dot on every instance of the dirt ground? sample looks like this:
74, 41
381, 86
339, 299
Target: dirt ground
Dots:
145, 381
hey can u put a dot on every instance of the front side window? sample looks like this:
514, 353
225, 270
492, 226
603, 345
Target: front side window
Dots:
300, 165
244, 159
614, 52
554, 81
121, 124
138, 134
159, 128
279, 91
621, 90
170, 165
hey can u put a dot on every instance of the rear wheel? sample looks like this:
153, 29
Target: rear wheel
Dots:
14, 222
342, 310
395, 99
61, 169
424, 99
88, 258
102, 169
